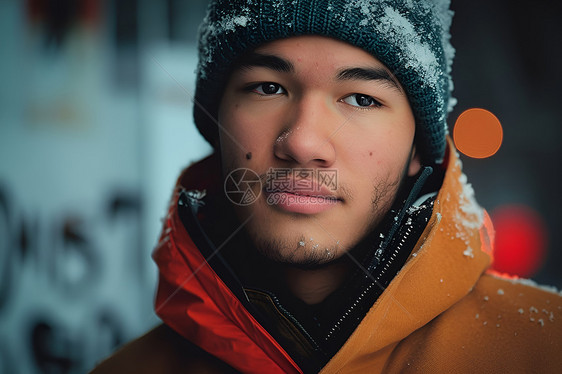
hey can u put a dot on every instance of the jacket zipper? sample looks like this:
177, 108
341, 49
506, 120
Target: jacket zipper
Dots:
386, 266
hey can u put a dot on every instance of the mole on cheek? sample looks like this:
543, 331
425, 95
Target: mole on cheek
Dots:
370, 153
249, 156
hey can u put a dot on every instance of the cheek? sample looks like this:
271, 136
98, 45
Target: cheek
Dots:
377, 154
244, 136
232, 143
377, 164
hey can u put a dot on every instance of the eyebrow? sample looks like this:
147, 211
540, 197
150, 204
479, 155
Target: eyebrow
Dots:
369, 74
272, 62
276, 63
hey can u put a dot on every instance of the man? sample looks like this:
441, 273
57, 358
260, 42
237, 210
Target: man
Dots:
333, 230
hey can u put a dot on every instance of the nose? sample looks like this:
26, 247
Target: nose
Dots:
307, 138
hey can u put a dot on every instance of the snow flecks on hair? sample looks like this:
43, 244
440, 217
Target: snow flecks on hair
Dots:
416, 54
445, 16
397, 30
208, 32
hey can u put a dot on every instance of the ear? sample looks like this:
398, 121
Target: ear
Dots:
415, 162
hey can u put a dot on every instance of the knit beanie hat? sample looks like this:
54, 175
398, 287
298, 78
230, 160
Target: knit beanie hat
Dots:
410, 37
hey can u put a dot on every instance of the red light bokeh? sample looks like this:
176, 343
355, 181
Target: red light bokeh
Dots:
520, 240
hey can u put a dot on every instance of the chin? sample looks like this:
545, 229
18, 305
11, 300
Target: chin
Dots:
299, 240
306, 249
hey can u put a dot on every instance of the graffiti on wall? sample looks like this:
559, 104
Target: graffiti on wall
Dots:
62, 279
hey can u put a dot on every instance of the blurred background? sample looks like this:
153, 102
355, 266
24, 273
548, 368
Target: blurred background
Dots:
95, 125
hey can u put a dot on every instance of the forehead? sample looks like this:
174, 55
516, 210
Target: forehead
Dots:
322, 49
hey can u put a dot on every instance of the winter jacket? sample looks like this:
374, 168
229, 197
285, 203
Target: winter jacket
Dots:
443, 312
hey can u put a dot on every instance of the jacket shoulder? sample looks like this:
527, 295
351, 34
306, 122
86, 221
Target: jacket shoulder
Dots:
501, 326
161, 350
534, 309
521, 320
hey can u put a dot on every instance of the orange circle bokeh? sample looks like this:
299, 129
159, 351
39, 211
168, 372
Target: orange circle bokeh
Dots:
478, 133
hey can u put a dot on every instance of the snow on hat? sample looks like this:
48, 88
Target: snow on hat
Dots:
410, 37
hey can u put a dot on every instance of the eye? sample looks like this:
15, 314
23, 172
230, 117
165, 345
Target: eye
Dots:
268, 88
361, 101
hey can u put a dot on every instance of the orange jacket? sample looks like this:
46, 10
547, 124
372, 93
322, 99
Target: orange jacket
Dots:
442, 313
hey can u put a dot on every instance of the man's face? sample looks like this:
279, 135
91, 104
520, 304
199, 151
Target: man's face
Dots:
319, 104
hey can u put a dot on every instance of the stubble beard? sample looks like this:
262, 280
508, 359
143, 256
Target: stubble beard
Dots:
307, 253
